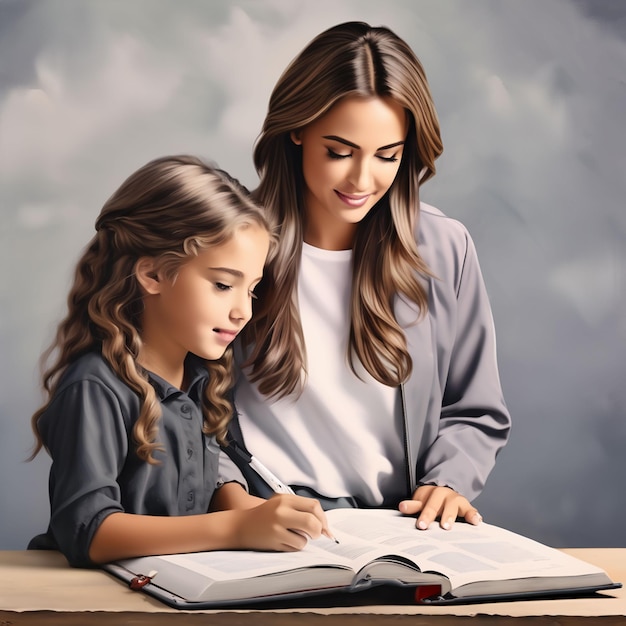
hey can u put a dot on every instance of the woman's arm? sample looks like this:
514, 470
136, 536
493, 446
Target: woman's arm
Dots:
473, 422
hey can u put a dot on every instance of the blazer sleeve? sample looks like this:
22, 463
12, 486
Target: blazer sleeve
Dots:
474, 422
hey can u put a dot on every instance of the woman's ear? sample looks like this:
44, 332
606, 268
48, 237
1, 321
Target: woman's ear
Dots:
147, 275
296, 137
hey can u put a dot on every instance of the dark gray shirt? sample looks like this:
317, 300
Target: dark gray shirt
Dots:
87, 430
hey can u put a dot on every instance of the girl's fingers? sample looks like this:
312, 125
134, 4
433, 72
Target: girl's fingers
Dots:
300, 515
293, 541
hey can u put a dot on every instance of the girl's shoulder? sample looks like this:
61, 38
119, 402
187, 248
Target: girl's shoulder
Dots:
89, 391
92, 368
91, 365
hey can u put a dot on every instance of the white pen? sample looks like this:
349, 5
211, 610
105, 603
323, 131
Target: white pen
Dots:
275, 484
271, 479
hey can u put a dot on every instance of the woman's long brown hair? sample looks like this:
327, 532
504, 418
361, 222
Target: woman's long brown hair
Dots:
351, 59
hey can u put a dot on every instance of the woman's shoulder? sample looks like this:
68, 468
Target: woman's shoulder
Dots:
443, 241
435, 224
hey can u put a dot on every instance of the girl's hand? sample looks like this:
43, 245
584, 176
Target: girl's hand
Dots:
284, 523
439, 502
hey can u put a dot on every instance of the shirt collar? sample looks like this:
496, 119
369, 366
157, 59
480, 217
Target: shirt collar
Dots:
198, 376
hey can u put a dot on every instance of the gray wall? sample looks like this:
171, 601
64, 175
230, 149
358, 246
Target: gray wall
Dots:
532, 99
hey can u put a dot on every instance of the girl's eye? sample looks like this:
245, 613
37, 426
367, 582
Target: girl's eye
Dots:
335, 155
222, 287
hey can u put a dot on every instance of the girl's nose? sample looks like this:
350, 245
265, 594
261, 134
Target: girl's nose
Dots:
242, 309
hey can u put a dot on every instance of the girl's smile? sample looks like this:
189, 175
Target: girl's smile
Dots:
225, 336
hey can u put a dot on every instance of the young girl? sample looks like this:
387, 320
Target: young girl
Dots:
138, 392
370, 366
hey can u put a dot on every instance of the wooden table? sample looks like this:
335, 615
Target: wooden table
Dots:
38, 587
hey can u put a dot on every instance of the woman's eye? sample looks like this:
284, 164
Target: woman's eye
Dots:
335, 155
391, 159
222, 287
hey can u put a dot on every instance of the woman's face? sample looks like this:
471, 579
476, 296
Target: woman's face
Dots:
350, 157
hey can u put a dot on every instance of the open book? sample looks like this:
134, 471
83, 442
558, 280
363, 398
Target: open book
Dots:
376, 547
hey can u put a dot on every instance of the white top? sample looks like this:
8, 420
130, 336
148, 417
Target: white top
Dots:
456, 418
351, 427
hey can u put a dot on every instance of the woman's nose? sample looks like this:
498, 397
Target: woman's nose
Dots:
360, 174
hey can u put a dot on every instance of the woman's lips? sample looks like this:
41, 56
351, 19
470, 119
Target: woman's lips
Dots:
353, 200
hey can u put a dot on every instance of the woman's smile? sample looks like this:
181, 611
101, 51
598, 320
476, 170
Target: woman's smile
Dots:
353, 200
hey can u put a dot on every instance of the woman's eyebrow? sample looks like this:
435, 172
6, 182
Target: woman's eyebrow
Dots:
391, 145
357, 147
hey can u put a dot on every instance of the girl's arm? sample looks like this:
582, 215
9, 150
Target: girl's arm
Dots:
88, 439
282, 523
233, 496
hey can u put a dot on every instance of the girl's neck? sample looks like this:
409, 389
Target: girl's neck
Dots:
171, 370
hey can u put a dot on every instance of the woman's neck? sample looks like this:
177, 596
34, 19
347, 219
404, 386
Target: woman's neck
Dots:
340, 237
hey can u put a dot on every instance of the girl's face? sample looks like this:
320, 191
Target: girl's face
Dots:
210, 300
350, 157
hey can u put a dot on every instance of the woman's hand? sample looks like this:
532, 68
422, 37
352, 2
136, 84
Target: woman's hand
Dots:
284, 523
433, 502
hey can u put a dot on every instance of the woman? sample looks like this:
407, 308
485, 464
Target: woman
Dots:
369, 369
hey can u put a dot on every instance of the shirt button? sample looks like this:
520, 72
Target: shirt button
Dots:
185, 408
190, 500
189, 453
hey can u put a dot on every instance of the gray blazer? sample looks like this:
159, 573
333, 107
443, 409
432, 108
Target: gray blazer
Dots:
456, 418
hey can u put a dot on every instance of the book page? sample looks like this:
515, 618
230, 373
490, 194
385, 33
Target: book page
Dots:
195, 571
240, 574
238, 564
464, 554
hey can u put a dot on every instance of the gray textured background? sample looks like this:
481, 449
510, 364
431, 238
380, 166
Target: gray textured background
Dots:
532, 100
